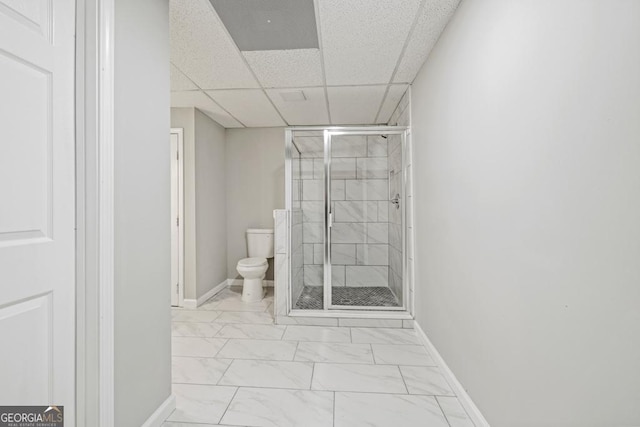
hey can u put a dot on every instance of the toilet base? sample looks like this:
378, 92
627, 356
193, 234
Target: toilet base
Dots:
252, 290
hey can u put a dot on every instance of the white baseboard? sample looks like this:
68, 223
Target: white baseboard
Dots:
238, 282
162, 413
190, 304
193, 304
464, 398
204, 298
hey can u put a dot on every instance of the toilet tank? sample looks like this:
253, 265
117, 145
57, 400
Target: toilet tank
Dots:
260, 242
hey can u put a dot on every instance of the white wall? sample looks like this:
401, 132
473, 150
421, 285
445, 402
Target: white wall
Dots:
210, 198
526, 128
142, 210
205, 213
255, 187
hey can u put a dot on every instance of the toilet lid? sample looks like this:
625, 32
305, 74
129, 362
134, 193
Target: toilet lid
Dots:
252, 262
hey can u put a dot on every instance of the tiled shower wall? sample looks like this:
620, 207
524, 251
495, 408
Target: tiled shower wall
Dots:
360, 193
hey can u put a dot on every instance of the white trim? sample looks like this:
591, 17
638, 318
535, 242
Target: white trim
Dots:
180, 133
239, 282
464, 398
193, 304
162, 413
106, 210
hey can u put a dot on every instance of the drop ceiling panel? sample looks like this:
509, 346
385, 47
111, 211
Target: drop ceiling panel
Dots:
430, 24
202, 48
362, 40
250, 106
391, 101
269, 25
286, 68
355, 104
199, 100
179, 81
313, 111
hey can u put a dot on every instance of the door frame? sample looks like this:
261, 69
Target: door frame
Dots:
95, 238
180, 220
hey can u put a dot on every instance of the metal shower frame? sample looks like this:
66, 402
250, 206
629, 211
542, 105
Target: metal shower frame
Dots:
329, 309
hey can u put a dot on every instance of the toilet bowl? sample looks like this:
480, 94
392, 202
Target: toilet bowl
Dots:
253, 268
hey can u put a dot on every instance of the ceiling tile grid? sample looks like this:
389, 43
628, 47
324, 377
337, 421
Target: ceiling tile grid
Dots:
202, 49
286, 68
362, 40
365, 46
313, 111
355, 104
431, 22
199, 100
179, 81
250, 106
391, 101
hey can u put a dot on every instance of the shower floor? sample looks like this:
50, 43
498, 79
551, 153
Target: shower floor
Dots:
312, 297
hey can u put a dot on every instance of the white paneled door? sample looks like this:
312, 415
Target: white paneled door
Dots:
37, 204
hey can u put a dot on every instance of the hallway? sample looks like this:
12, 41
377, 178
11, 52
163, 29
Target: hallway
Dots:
232, 366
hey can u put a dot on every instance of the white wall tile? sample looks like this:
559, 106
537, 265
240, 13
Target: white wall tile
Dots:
355, 211
312, 189
343, 168
344, 254
312, 232
306, 169
313, 275
318, 253
383, 211
313, 211
337, 189
337, 275
372, 254
348, 146
376, 146
367, 275
371, 168
369, 189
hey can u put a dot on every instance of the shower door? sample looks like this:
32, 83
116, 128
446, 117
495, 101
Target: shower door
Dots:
364, 267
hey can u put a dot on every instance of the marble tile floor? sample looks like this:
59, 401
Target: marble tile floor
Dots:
232, 366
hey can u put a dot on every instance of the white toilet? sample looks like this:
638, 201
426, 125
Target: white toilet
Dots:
253, 269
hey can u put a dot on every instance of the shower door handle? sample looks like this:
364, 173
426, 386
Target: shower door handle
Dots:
330, 222
396, 201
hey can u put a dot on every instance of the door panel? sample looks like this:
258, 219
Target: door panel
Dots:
37, 212
364, 251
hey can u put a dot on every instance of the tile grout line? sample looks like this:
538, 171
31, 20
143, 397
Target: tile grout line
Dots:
224, 373
229, 404
296, 352
334, 408
403, 380
262, 387
313, 372
442, 410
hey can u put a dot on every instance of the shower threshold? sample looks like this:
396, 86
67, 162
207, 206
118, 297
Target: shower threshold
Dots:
312, 297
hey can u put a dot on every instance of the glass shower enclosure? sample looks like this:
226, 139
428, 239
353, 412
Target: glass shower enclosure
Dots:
345, 194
